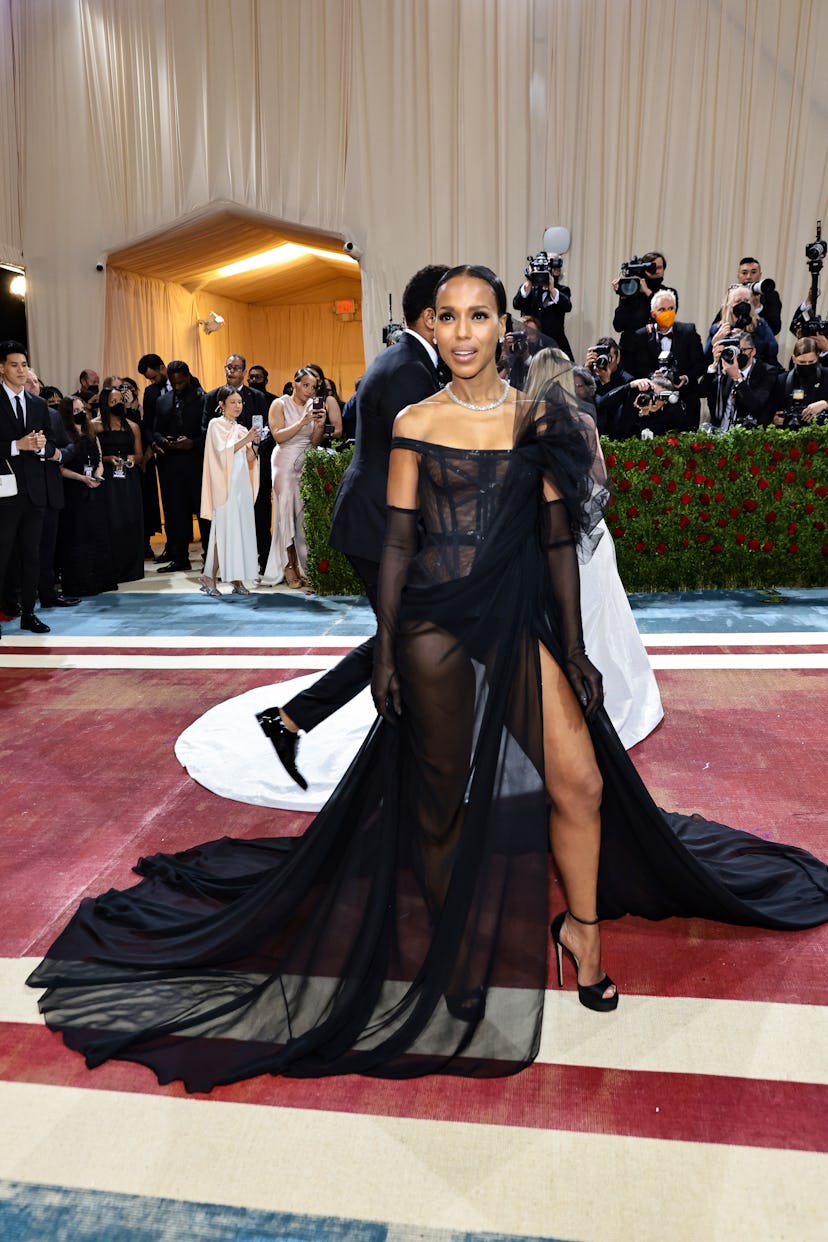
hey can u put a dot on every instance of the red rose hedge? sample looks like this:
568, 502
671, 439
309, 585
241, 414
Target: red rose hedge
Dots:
690, 512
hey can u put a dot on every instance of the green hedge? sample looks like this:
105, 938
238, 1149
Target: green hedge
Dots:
688, 512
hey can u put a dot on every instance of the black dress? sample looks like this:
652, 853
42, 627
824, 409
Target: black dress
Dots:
124, 507
425, 877
84, 545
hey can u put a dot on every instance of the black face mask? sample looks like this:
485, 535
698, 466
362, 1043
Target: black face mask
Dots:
741, 313
806, 370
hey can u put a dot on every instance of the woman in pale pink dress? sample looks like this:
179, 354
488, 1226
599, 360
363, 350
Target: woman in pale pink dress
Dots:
295, 426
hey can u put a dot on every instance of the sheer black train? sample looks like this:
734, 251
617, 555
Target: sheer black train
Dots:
407, 932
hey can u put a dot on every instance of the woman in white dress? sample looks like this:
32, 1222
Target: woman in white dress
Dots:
296, 425
229, 484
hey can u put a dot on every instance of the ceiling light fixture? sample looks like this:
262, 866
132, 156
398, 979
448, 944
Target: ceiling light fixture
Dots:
288, 252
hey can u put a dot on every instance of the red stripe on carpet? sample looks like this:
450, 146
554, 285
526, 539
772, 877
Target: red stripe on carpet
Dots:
685, 1107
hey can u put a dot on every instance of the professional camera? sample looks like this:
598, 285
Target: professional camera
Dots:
730, 348
668, 369
392, 332
816, 250
538, 267
631, 273
519, 343
758, 287
602, 358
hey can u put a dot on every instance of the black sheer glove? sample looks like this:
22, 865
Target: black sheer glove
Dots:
562, 559
398, 549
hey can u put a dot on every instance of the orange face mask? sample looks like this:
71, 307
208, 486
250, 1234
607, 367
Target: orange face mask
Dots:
665, 319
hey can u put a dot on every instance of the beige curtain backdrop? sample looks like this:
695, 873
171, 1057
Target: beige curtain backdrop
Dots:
426, 130
146, 315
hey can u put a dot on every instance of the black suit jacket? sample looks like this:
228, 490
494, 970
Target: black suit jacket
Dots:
28, 467
688, 352
753, 396
402, 375
253, 402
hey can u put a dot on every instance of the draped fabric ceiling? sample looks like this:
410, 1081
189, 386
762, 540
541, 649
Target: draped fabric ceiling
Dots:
425, 130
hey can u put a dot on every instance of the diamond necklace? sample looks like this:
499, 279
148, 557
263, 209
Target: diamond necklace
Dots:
468, 405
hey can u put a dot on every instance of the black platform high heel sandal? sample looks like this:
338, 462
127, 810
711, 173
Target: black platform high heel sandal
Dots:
589, 994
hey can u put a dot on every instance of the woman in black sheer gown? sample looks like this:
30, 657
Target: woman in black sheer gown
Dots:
407, 931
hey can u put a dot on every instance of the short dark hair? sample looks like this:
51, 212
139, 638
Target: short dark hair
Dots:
12, 347
177, 367
255, 366
150, 362
478, 272
749, 259
420, 292
224, 392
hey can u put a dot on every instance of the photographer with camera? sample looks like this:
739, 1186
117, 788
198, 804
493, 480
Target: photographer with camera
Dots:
635, 285
604, 361
520, 344
546, 298
805, 389
740, 313
768, 304
739, 388
665, 335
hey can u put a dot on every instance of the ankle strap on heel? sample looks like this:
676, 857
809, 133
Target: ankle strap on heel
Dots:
585, 922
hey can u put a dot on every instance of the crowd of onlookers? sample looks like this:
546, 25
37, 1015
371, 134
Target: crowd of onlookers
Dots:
119, 466
124, 466
658, 374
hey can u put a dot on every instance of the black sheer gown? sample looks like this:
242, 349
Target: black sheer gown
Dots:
83, 535
425, 877
124, 506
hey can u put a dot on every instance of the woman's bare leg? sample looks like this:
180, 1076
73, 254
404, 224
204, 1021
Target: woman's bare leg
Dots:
574, 785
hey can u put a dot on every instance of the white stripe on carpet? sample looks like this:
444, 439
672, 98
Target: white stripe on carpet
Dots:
435, 1174
682, 1035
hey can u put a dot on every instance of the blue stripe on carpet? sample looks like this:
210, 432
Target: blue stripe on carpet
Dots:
29, 1212
174, 614
716, 612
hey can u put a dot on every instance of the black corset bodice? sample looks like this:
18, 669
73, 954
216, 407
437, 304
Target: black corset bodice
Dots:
459, 495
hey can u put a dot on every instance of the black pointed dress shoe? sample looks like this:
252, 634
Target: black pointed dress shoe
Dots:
28, 621
173, 566
283, 741
59, 601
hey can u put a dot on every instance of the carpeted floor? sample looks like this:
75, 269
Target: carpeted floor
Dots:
695, 1112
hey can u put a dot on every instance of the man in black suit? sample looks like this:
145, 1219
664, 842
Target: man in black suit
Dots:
24, 434
178, 441
665, 334
253, 402
750, 273
548, 303
49, 592
403, 375
740, 388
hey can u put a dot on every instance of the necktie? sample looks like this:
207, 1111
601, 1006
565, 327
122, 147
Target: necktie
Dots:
20, 415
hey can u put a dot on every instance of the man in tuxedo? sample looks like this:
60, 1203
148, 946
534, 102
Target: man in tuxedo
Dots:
254, 401
739, 389
24, 434
51, 596
403, 375
665, 334
178, 441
